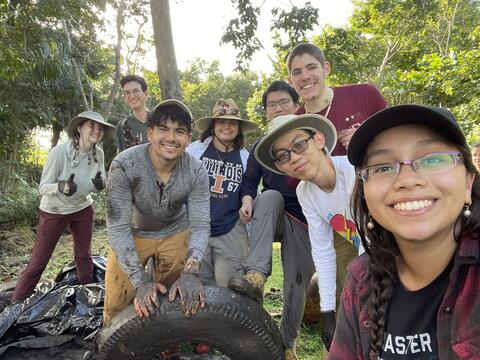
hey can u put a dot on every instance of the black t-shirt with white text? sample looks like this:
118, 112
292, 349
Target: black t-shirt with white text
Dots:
411, 330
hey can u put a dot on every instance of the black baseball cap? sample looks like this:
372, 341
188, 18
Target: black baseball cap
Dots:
439, 119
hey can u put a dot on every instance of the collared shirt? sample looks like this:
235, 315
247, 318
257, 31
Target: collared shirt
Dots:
139, 203
458, 318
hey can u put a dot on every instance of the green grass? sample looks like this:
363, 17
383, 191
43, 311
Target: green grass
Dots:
309, 344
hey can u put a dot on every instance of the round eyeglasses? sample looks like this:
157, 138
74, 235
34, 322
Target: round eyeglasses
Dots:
133, 93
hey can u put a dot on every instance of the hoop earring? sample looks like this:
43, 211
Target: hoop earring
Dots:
370, 224
467, 211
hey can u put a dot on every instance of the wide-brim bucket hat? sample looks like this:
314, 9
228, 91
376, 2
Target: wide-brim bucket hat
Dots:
229, 110
286, 123
108, 129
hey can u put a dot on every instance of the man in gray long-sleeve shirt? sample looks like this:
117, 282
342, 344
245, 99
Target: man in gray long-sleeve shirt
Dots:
158, 204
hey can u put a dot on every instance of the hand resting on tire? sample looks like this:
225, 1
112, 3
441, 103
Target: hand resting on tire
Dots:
190, 288
146, 298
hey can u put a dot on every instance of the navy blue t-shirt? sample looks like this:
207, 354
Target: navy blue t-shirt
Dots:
225, 173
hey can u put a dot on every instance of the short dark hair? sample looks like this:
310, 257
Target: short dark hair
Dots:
305, 48
161, 114
238, 142
136, 78
279, 85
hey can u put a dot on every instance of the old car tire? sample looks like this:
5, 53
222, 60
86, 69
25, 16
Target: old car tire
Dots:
233, 324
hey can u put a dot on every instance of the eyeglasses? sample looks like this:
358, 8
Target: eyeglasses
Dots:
434, 163
134, 92
283, 104
282, 157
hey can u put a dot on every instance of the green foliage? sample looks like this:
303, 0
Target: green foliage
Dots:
19, 206
352, 56
203, 84
99, 205
241, 32
38, 87
295, 22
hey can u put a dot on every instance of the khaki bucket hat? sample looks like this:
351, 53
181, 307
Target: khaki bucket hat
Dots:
286, 123
108, 129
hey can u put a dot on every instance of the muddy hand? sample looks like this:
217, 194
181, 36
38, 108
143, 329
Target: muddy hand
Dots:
146, 298
190, 288
98, 181
68, 187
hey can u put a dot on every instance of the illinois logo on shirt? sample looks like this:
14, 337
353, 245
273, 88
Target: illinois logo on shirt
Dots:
345, 228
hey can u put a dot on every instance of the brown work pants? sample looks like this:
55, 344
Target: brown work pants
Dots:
169, 260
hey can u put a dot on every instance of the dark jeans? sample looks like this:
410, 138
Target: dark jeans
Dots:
49, 229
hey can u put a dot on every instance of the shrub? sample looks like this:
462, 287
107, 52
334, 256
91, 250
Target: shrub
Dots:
99, 206
19, 205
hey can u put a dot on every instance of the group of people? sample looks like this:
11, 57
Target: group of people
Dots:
379, 201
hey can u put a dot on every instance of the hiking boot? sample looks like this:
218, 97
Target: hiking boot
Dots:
290, 354
250, 284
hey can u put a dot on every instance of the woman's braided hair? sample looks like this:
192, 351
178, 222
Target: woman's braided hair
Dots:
382, 250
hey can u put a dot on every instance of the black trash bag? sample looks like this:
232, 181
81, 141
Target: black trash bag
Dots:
64, 308
67, 309
12, 312
68, 274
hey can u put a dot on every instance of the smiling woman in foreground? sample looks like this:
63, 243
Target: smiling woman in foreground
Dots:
415, 294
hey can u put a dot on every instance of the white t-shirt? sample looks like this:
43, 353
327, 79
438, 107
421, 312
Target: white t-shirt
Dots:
327, 212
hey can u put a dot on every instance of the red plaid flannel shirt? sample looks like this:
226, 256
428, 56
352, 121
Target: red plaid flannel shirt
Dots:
458, 318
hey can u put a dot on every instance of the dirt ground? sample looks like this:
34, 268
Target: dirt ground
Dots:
73, 350
15, 250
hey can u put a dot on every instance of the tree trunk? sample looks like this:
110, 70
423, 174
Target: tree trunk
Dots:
165, 51
75, 66
118, 48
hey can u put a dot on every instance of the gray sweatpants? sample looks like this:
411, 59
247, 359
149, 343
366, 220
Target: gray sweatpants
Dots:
270, 223
223, 256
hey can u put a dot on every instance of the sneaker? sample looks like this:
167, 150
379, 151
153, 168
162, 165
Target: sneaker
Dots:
290, 354
250, 284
